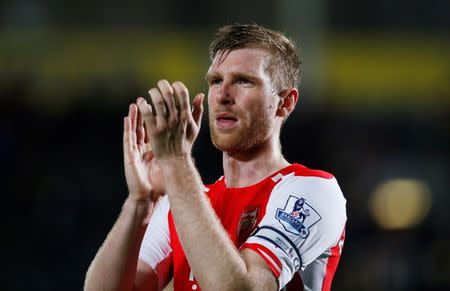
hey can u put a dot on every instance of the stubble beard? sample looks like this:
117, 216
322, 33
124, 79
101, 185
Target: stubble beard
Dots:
251, 132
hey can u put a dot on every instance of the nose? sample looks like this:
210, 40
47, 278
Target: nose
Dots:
224, 95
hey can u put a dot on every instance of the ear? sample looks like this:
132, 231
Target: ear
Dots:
287, 102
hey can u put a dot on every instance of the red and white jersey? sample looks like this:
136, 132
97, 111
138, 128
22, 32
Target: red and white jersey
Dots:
294, 219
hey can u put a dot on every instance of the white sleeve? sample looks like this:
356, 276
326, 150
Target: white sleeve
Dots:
305, 216
156, 246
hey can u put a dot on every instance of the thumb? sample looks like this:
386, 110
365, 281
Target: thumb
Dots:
197, 110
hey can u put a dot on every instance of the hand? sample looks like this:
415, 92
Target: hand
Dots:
171, 125
142, 171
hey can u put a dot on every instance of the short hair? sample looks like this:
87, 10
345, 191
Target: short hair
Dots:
284, 66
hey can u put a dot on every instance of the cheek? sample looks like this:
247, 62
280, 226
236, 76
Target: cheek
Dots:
262, 115
257, 107
212, 92
211, 99
272, 107
271, 104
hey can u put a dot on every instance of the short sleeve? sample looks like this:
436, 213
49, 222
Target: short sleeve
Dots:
156, 246
305, 216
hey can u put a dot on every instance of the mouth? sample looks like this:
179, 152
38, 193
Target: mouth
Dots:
225, 121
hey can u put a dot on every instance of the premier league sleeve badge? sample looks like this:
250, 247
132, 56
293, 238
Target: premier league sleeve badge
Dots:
298, 216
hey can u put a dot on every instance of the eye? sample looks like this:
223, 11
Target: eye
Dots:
215, 81
244, 81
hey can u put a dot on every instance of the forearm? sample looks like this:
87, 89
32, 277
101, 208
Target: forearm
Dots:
114, 266
204, 240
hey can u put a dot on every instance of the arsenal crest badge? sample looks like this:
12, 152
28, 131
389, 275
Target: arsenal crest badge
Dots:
247, 224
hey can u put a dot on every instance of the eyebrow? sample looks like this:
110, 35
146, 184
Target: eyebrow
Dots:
210, 76
236, 75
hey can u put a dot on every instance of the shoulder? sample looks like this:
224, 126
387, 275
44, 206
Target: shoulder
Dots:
305, 216
316, 190
299, 179
302, 171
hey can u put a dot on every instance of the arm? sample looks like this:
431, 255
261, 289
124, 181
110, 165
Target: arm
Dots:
172, 130
195, 220
115, 267
309, 244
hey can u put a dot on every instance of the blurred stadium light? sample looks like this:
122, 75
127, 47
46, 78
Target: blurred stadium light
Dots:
400, 203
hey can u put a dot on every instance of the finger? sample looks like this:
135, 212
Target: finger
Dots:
127, 140
140, 131
182, 94
197, 110
146, 141
169, 99
146, 138
160, 106
147, 115
132, 113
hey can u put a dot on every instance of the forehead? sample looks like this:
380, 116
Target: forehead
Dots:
245, 60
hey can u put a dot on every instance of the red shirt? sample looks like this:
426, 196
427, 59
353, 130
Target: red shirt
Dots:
294, 219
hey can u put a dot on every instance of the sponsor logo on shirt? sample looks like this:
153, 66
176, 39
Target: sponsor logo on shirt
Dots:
297, 216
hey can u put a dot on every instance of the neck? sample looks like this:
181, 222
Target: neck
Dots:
243, 169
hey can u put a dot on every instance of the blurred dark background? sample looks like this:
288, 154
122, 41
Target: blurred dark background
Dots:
374, 110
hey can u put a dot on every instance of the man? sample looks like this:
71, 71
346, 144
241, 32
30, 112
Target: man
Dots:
266, 224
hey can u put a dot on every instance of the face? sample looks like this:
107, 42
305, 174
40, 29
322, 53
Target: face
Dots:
242, 100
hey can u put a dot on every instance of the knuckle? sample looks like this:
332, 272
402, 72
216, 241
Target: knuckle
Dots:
173, 121
162, 122
184, 116
158, 102
145, 113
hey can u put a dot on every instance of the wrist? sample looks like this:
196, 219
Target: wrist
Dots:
139, 209
174, 160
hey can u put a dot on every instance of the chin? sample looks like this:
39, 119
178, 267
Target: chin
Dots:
227, 148
231, 143
222, 143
